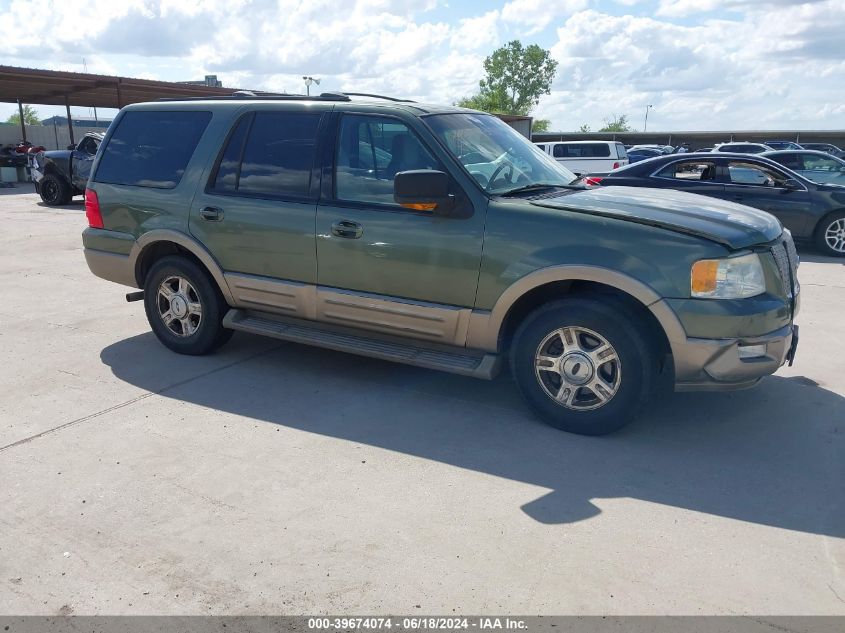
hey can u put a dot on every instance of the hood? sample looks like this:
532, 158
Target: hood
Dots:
734, 225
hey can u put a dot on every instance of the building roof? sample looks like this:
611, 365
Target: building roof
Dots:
53, 87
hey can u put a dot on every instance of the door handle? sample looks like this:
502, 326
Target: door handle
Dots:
212, 214
348, 229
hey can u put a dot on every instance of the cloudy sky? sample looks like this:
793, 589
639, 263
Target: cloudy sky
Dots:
703, 64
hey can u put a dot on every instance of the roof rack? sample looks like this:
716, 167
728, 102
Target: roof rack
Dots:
325, 96
239, 95
375, 96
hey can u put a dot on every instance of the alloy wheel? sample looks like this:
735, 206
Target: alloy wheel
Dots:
834, 235
179, 306
578, 368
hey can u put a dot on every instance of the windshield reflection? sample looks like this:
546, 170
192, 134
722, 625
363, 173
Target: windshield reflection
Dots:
497, 156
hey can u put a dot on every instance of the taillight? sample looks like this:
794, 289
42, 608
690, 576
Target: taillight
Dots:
593, 181
615, 165
92, 209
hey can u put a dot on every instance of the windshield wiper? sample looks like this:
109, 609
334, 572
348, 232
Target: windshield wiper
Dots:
537, 185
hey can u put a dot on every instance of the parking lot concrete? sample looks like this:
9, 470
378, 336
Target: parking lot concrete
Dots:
276, 478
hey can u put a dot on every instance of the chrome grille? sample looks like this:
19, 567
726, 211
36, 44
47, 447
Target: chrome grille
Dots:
786, 258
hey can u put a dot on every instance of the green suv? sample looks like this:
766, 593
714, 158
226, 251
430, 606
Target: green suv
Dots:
437, 237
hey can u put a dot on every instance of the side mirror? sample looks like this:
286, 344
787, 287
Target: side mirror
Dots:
790, 184
72, 146
424, 190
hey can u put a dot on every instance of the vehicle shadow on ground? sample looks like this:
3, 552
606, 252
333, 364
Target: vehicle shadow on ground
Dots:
17, 188
815, 257
772, 455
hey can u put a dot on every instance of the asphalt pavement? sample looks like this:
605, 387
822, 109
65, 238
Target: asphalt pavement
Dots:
277, 478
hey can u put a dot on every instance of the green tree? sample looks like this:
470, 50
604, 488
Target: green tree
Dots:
585, 129
540, 125
516, 77
30, 116
617, 123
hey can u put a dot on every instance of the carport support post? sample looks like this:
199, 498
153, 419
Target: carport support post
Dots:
23, 123
69, 122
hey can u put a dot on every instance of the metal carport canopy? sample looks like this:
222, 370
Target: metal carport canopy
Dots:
53, 87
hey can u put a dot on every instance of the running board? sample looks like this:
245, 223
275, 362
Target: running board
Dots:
453, 360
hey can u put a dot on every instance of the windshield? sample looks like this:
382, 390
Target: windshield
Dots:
497, 156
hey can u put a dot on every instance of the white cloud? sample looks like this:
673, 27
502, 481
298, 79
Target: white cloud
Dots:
732, 63
538, 14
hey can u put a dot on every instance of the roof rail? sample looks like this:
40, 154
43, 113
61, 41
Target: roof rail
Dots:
239, 95
375, 96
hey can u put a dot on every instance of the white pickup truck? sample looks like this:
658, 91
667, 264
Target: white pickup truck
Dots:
584, 157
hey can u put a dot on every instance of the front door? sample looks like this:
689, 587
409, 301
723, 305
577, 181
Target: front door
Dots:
383, 266
256, 213
81, 161
763, 187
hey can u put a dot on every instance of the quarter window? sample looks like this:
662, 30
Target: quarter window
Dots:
370, 153
690, 170
150, 148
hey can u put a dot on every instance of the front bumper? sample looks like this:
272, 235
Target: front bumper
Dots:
715, 365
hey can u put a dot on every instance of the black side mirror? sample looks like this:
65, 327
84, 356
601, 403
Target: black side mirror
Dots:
72, 146
790, 184
424, 190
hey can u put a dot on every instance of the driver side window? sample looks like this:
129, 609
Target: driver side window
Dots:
371, 151
751, 174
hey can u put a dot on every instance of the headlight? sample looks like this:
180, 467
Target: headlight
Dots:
730, 278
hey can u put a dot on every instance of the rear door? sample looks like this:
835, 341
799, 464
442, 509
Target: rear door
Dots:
256, 212
692, 175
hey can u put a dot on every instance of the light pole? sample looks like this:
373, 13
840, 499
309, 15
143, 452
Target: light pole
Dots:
308, 81
645, 125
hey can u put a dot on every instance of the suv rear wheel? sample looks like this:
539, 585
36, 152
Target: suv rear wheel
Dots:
54, 191
184, 307
584, 364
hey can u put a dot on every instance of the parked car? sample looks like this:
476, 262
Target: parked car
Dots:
825, 147
663, 149
459, 247
808, 209
61, 174
581, 157
816, 166
782, 145
636, 155
742, 148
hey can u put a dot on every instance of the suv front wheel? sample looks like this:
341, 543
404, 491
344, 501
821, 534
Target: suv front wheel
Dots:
586, 365
184, 307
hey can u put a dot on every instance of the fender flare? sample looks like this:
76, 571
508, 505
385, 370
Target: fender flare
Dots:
189, 244
485, 327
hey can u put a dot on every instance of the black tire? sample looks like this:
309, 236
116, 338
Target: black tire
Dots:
829, 222
209, 334
636, 361
54, 190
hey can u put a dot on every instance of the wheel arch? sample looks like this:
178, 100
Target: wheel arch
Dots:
492, 330
158, 243
820, 222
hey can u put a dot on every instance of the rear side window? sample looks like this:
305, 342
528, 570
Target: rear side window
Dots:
689, 170
269, 154
151, 148
621, 152
582, 150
